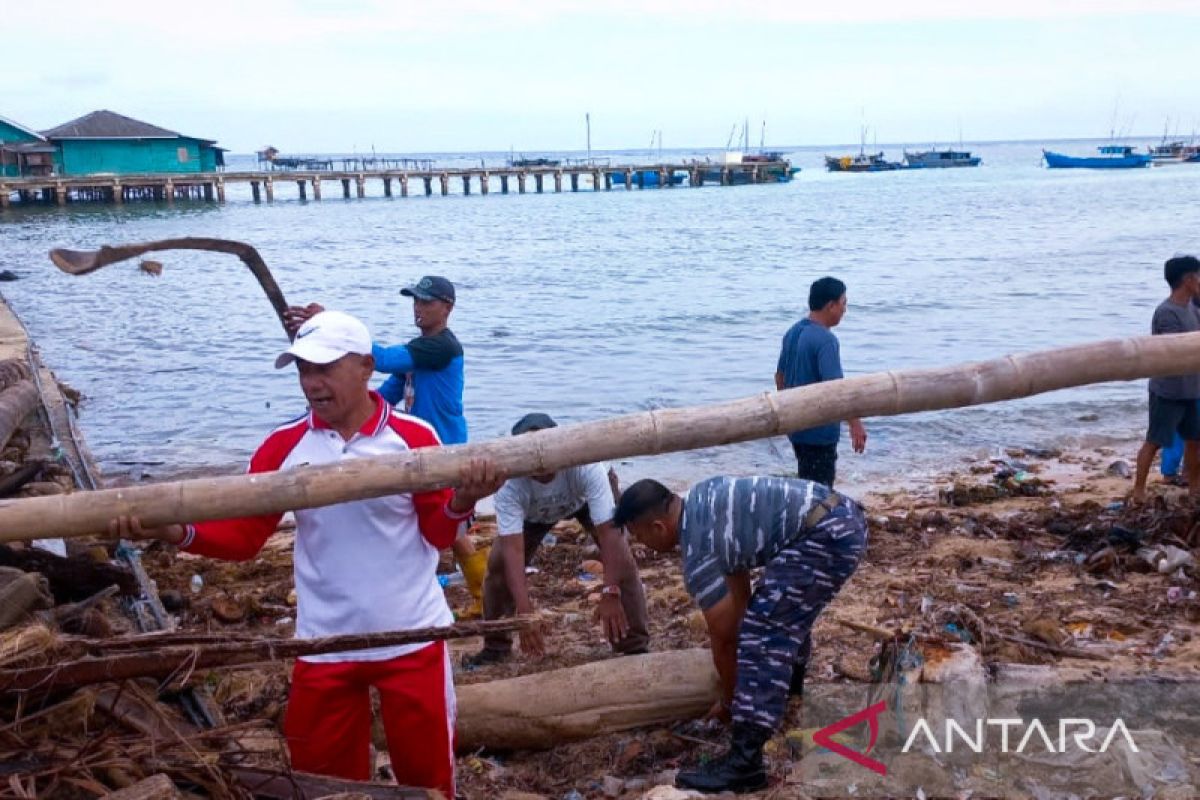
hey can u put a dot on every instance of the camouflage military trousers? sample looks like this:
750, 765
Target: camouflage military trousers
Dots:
796, 585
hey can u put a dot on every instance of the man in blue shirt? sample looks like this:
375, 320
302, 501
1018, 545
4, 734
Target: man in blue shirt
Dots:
810, 354
427, 372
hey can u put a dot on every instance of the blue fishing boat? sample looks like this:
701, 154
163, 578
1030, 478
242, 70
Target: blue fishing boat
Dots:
1112, 156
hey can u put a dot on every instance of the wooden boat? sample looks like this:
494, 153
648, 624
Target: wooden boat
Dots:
1111, 156
863, 162
937, 159
1175, 153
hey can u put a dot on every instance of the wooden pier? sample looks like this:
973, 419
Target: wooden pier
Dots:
212, 186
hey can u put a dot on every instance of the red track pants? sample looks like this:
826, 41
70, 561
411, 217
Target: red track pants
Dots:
328, 722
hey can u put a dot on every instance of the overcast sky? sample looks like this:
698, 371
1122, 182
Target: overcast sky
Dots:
451, 75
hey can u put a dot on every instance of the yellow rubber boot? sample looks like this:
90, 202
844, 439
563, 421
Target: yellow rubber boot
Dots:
474, 570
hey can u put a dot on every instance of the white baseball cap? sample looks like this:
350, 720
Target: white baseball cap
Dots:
325, 338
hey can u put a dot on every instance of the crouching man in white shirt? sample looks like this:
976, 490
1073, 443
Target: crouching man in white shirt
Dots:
526, 510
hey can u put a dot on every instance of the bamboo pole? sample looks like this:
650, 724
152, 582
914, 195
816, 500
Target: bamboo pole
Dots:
16, 403
661, 431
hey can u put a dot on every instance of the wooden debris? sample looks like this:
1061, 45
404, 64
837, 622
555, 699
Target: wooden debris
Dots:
17, 402
542, 710
274, 785
156, 787
72, 578
177, 662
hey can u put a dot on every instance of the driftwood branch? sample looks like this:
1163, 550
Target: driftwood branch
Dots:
662, 431
153, 660
81, 262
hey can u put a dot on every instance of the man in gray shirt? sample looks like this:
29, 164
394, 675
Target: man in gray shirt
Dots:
809, 539
1173, 399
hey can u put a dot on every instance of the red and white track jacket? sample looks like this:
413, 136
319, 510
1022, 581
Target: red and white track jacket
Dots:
363, 566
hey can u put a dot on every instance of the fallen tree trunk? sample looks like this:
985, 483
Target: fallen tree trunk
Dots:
16, 403
178, 661
661, 431
548, 708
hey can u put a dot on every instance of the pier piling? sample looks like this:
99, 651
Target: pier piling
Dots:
117, 189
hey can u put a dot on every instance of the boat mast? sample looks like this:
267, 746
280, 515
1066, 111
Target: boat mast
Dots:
588, 118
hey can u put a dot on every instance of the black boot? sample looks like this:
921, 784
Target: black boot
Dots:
739, 770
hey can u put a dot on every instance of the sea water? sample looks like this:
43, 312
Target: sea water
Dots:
592, 304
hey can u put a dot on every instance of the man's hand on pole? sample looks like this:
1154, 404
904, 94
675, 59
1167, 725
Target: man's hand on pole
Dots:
477, 479
295, 316
131, 528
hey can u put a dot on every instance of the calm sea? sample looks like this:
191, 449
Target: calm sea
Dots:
595, 304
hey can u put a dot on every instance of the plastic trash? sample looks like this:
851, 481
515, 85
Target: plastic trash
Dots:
1011, 599
1166, 558
197, 583
549, 540
451, 579
1164, 645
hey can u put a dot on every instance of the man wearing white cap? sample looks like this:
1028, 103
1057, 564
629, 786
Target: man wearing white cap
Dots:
360, 567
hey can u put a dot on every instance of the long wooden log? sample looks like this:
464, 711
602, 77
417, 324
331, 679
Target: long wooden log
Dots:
168, 662
16, 403
548, 708
661, 431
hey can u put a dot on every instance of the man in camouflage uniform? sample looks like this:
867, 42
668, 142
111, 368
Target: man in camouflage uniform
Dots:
809, 539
